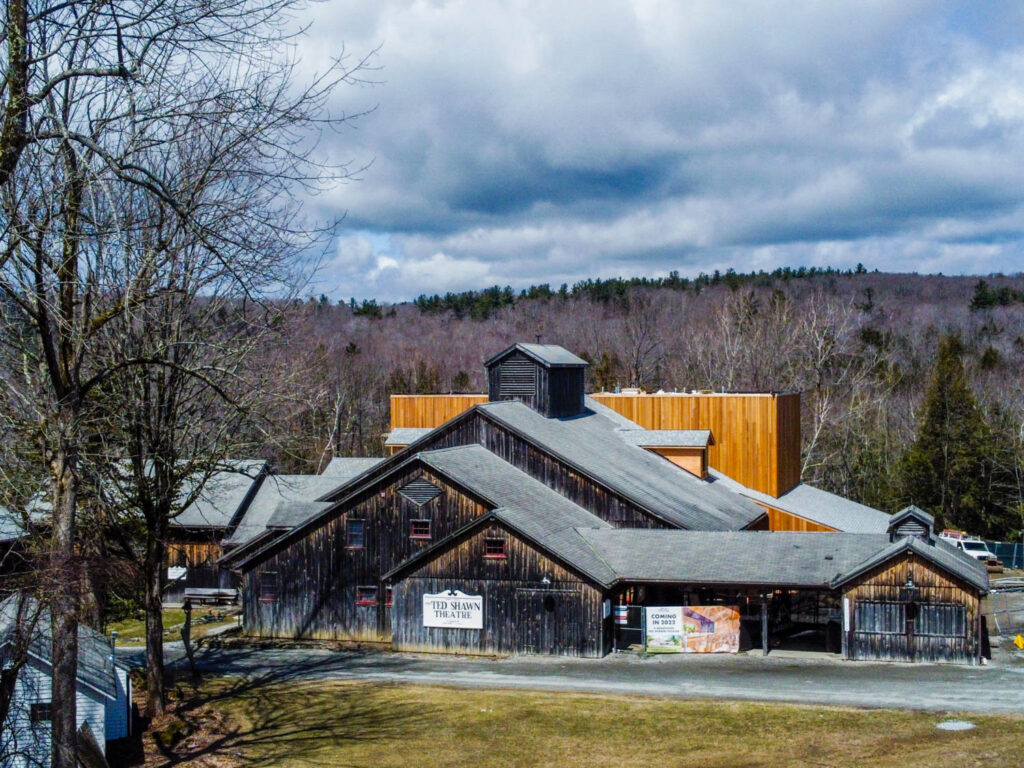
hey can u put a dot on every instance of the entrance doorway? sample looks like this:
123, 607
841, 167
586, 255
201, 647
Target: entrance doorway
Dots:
547, 621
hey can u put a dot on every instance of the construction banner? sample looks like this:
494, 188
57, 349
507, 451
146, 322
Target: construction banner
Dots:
693, 629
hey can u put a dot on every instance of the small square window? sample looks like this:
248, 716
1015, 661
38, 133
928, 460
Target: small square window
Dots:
41, 712
494, 548
270, 586
354, 538
419, 529
366, 595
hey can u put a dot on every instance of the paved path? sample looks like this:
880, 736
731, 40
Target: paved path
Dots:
808, 678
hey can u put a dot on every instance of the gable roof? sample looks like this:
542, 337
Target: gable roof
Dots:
946, 556
95, 656
732, 557
406, 435
665, 438
548, 355
277, 492
592, 444
815, 505
913, 513
529, 507
224, 496
346, 467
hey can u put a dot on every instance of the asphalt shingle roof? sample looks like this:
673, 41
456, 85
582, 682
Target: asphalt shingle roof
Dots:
95, 656
524, 504
819, 560
593, 443
288, 516
687, 438
223, 496
406, 435
545, 354
344, 468
278, 492
732, 557
815, 505
945, 555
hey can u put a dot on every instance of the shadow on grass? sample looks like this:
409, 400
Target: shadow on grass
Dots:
269, 718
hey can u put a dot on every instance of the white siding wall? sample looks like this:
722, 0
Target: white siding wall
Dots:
119, 710
25, 744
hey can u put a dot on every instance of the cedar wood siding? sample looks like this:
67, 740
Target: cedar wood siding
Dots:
883, 584
429, 411
318, 574
515, 617
757, 436
779, 520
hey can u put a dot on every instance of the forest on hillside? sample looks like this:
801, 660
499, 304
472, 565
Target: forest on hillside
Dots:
910, 384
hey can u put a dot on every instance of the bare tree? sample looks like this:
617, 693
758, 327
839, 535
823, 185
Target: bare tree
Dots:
92, 92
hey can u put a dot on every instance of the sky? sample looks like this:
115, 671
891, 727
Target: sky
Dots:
519, 143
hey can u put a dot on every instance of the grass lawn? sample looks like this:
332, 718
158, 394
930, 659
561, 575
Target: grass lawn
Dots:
334, 723
133, 631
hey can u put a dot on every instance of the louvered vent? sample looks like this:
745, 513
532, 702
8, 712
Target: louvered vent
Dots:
518, 377
420, 491
912, 528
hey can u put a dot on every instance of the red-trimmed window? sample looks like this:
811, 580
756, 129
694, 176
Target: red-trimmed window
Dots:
419, 529
387, 595
270, 586
366, 595
494, 549
355, 534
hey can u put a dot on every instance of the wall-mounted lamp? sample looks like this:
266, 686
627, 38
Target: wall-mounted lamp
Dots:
909, 591
545, 581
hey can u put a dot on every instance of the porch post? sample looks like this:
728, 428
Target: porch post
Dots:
764, 624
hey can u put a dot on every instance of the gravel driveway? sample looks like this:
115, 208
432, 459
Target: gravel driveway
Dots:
802, 678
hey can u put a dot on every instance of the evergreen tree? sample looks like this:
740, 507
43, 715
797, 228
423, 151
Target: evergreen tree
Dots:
948, 470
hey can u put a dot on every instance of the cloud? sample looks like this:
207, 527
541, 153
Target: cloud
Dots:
535, 142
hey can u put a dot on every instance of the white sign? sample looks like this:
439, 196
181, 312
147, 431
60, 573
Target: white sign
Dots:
664, 628
454, 610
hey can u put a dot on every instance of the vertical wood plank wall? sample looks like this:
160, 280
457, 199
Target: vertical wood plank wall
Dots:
522, 614
757, 436
786, 521
318, 575
420, 411
884, 584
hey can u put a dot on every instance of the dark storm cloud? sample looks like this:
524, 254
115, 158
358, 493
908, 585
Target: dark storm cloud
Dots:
546, 142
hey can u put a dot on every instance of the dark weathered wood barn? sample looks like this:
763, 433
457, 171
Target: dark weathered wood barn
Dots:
517, 525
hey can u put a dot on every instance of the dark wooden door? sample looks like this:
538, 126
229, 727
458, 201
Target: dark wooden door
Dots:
547, 621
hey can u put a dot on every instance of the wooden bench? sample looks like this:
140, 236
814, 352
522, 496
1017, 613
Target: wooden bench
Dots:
203, 596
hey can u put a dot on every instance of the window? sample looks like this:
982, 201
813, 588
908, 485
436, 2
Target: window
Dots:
354, 534
41, 712
941, 620
387, 596
269, 586
880, 617
366, 595
494, 549
419, 529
